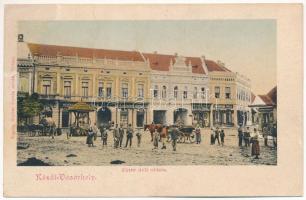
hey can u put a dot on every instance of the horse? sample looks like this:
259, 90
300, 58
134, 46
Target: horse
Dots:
49, 125
152, 127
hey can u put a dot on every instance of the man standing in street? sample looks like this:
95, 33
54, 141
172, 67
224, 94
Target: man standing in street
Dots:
240, 136
265, 135
129, 135
174, 136
121, 133
155, 138
163, 136
104, 136
138, 135
222, 135
246, 137
116, 136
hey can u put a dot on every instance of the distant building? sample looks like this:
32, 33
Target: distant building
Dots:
264, 109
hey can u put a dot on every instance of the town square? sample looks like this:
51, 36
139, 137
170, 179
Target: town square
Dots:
97, 106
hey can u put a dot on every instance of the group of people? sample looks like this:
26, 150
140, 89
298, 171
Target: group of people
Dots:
244, 135
270, 131
118, 135
161, 137
216, 135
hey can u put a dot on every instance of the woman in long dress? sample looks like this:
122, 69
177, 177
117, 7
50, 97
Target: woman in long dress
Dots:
212, 136
255, 144
90, 137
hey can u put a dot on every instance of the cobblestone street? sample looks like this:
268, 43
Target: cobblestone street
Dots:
60, 151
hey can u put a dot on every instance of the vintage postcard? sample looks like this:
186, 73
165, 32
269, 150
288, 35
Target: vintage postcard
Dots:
144, 98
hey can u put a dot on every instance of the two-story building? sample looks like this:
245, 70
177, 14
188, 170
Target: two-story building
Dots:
230, 95
117, 83
178, 89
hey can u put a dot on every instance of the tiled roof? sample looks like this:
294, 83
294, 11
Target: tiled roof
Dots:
53, 50
272, 94
161, 62
266, 99
213, 66
196, 64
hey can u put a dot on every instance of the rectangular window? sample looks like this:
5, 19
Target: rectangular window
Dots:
195, 93
109, 90
227, 92
164, 92
67, 89
155, 91
125, 90
85, 89
101, 89
46, 87
140, 91
217, 92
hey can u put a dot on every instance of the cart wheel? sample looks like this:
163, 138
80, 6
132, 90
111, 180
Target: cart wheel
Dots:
192, 138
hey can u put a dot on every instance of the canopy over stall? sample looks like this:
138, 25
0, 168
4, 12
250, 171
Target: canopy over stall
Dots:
81, 112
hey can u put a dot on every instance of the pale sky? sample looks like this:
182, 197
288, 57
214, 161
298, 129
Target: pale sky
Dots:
245, 46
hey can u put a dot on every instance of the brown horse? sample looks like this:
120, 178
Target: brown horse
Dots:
152, 127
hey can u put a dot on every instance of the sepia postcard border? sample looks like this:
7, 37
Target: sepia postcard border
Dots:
285, 179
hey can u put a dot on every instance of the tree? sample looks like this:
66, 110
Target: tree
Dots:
28, 107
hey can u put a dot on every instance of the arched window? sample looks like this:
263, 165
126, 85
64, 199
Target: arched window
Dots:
175, 91
185, 94
164, 92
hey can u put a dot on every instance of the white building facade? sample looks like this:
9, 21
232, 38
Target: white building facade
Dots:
178, 90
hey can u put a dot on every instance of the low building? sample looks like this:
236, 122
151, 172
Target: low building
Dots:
264, 109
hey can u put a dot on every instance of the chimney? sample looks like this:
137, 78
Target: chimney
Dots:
20, 37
